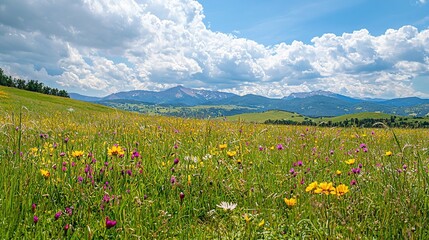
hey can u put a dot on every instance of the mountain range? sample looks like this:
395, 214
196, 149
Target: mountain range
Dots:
313, 104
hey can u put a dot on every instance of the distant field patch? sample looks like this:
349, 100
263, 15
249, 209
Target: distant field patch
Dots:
3, 95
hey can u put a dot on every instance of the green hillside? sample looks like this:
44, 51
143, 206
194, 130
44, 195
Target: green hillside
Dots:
13, 99
261, 117
363, 115
356, 119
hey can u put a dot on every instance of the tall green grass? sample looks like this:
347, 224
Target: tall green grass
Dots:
259, 167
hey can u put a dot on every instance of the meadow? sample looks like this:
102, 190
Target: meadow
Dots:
73, 170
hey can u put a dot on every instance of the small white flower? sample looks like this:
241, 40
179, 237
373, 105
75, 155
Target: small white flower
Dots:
227, 206
191, 158
208, 156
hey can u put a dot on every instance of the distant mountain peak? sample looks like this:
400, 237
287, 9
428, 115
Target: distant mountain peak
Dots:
310, 94
315, 103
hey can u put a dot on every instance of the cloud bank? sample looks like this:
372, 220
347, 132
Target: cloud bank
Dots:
99, 47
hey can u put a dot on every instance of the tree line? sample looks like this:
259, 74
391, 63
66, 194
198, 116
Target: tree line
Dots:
30, 85
363, 122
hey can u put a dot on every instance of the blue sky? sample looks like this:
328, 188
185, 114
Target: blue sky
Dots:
275, 21
359, 48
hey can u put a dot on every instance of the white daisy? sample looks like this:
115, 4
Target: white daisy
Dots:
227, 206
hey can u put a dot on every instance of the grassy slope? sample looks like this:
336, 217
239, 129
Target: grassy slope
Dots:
261, 117
147, 204
279, 115
12, 99
358, 116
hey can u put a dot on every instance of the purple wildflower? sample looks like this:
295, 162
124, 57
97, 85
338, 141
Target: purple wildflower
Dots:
173, 179
110, 223
58, 215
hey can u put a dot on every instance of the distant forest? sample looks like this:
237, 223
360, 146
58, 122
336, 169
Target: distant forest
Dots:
393, 121
31, 85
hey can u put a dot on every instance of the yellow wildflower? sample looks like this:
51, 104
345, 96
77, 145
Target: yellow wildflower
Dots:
340, 190
115, 150
246, 218
189, 179
350, 161
45, 173
231, 153
77, 154
389, 153
311, 187
222, 146
338, 172
325, 188
290, 202
261, 223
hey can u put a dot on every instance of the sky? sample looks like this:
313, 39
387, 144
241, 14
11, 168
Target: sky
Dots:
358, 48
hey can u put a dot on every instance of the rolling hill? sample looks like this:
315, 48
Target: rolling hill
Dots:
313, 104
15, 100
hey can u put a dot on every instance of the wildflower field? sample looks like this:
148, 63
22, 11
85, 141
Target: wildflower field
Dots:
71, 170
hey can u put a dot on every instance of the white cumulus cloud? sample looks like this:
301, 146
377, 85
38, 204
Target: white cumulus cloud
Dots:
99, 47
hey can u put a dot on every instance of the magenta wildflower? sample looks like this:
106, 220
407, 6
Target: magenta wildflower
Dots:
279, 146
173, 179
353, 182
292, 171
182, 196
62, 154
106, 198
135, 154
35, 219
58, 215
43, 135
110, 223
80, 179
176, 161
33, 207
69, 210
66, 227
356, 170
